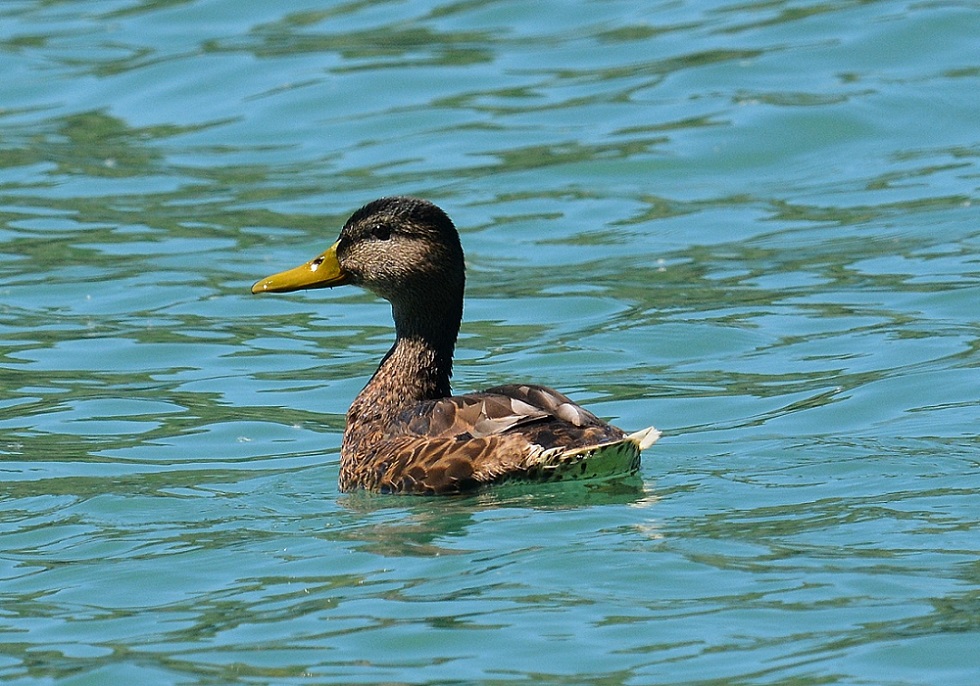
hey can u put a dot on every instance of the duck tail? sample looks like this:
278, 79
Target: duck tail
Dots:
644, 438
595, 462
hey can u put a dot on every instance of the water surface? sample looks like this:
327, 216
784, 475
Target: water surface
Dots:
753, 225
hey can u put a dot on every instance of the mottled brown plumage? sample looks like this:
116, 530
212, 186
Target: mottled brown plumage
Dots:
405, 432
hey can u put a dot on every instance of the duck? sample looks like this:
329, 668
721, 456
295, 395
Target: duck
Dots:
406, 433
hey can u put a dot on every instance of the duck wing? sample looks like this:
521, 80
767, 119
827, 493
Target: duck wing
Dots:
475, 415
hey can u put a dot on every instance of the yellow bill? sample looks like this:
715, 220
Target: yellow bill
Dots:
320, 272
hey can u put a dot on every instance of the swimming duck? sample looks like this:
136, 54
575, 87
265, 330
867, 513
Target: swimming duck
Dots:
406, 432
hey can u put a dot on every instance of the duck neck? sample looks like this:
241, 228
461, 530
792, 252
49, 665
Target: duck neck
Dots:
417, 368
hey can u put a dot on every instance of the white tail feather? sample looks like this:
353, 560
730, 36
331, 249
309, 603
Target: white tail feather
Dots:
644, 438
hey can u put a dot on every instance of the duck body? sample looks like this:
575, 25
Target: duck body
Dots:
406, 432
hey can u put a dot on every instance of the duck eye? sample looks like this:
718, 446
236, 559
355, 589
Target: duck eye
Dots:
382, 232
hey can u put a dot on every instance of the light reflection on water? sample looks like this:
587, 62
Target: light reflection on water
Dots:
752, 225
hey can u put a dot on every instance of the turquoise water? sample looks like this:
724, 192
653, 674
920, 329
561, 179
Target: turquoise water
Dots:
752, 224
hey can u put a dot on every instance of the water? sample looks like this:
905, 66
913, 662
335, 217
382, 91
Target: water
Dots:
753, 225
